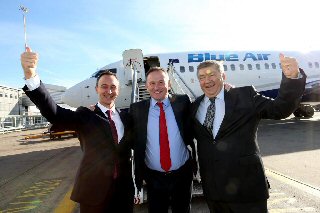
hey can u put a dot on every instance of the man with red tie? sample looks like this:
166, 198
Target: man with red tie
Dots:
161, 132
104, 181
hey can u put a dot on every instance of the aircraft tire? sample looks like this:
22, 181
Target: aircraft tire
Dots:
304, 110
308, 111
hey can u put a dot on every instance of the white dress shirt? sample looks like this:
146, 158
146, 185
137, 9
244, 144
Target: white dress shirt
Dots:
115, 117
33, 83
219, 112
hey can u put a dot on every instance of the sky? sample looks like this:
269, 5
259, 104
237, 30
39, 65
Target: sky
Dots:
75, 38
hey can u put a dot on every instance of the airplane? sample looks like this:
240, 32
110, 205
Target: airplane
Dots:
258, 68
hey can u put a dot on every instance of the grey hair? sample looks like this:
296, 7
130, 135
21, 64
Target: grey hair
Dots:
218, 65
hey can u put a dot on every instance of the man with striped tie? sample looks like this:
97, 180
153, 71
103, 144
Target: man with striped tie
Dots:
225, 123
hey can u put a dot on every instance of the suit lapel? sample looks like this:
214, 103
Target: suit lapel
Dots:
105, 123
230, 100
98, 111
144, 117
177, 115
122, 116
195, 108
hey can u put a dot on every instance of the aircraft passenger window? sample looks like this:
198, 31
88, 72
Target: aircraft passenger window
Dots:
241, 66
191, 68
266, 66
258, 66
316, 64
250, 66
273, 65
233, 67
1, 95
225, 68
310, 64
11, 96
182, 69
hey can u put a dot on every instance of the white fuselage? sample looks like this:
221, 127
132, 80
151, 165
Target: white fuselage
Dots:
258, 68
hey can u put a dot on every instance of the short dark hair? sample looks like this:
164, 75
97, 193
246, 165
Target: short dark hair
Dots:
153, 69
106, 72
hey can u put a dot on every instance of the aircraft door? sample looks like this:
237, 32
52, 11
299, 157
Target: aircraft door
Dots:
151, 61
133, 59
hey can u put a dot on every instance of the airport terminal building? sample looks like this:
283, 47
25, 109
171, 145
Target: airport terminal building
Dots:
13, 101
10, 101
17, 111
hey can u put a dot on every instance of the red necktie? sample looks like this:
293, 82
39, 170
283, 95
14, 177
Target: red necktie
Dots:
164, 141
115, 140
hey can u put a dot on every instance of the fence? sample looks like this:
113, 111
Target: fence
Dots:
21, 122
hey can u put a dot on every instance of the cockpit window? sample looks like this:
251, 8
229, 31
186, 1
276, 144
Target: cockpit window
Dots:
96, 74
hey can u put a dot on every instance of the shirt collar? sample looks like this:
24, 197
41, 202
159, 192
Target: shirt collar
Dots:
220, 96
165, 102
104, 109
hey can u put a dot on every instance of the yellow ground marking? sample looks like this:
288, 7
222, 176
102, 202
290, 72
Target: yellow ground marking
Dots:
66, 205
21, 209
25, 202
294, 183
35, 192
33, 195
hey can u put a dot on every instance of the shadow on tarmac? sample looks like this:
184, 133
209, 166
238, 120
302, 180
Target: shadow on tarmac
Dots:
288, 136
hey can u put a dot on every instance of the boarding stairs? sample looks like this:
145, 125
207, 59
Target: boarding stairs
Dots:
178, 85
142, 92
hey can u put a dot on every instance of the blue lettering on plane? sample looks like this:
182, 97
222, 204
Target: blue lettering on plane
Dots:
226, 57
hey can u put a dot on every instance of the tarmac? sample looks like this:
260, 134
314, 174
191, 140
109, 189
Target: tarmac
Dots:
37, 175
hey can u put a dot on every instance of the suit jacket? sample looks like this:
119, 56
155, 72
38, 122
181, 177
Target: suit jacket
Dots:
139, 112
95, 174
231, 168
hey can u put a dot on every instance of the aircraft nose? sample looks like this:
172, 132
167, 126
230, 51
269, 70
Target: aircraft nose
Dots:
72, 97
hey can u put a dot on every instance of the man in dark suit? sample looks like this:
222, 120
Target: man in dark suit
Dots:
161, 129
225, 125
104, 181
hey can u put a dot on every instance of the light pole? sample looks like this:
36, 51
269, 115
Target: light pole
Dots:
24, 11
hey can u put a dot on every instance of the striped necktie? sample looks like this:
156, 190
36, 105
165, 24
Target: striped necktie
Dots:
208, 121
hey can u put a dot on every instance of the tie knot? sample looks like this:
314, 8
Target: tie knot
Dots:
212, 100
160, 104
108, 112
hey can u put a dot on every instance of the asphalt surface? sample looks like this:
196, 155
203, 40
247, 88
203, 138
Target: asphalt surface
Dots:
36, 175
